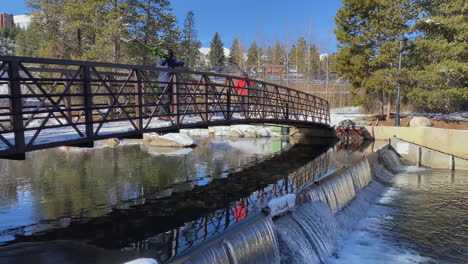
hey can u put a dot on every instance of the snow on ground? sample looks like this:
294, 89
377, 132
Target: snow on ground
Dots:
69, 133
457, 116
339, 114
258, 131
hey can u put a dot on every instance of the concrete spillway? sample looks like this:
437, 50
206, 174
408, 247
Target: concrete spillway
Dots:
308, 233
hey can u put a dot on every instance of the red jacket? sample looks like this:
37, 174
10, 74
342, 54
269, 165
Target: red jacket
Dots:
241, 86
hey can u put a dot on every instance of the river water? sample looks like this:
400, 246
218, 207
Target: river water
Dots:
157, 202
421, 218
53, 187
111, 205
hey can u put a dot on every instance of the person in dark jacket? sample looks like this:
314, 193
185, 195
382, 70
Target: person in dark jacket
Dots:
166, 62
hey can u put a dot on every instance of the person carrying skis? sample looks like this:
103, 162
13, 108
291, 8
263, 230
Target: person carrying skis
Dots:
166, 61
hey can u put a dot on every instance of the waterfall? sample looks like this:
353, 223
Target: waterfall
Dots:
311, 232
252, 243
391, 161
257, 245
308, 234
338, 191
216, 254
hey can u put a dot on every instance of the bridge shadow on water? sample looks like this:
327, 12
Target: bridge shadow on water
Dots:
168, 226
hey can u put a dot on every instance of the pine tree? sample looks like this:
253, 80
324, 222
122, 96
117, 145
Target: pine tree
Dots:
312, 58
297, 55
7, 40
367, 32
237, 53
279, 54
190, 45
254, 55
151, 22
216, 54
438, 59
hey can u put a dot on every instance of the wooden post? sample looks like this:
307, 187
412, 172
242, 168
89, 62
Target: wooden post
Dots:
16, 107
88, 101
138, 99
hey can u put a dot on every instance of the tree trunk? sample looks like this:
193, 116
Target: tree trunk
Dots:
389, 105
79, 41
381, 104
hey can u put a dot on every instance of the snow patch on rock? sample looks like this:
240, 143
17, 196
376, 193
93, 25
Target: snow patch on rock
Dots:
173, 140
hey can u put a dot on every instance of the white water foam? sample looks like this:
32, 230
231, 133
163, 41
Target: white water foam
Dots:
366, 243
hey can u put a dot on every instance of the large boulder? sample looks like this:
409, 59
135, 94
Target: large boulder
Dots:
236, 133
420, 121
361, 121
173, 140
149, 136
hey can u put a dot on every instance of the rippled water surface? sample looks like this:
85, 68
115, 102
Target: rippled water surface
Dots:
422, 218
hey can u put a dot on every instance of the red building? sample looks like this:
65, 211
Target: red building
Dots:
6, 21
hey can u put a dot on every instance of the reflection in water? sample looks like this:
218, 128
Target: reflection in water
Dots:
150, 200
61, 185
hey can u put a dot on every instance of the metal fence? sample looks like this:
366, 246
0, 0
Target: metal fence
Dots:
47, 103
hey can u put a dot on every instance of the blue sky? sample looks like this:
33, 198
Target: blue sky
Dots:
262, 21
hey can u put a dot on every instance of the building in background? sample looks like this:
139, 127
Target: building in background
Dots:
22, 21
6, 21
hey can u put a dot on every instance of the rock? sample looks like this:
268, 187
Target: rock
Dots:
236, 133
294, 132
113, 142
173, 140
196, 132
362, 122
420, 121
262, 132
274, 134
250, 134
149, 136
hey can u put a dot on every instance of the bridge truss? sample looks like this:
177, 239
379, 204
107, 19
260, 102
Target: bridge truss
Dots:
47, 103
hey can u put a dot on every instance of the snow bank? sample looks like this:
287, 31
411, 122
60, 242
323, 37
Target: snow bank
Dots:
339, 114
349, 109
224, 131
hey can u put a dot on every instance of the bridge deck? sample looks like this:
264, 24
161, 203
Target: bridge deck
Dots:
47, 103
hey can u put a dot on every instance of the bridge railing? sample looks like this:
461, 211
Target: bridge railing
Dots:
47, 102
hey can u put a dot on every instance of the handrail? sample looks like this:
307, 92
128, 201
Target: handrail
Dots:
45, 96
